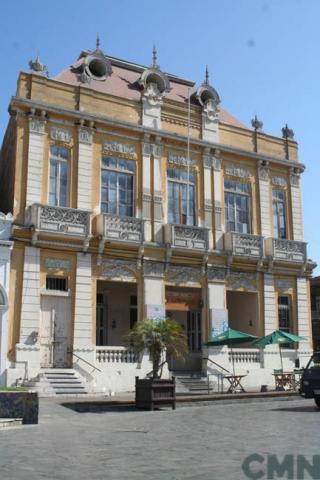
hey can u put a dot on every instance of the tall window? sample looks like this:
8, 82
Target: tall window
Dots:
237, 206
279, 214
284, 314
181, 197
117, 176
59, 171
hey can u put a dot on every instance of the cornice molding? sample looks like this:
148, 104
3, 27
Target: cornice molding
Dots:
17, 102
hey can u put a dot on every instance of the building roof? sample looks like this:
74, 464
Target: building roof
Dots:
123, 82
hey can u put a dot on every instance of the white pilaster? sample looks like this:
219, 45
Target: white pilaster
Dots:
304, 320
217, 188
146, 189
218, 313
83, 303
157, 194
296, 204
30, 303
207, 164
270, 305
35, 160
5, 253
264, 192
84, 168
154, 290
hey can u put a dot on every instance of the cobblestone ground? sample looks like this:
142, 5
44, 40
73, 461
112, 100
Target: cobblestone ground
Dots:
207, 442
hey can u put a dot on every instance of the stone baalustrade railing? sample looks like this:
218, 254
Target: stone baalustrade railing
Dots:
244, 355
115, 355
244, 244
286, 250
185, 236
61, 220
123, 229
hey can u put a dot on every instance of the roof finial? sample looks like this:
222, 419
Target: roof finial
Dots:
154, 57
256, 123
206, 80
98, 42
38, 67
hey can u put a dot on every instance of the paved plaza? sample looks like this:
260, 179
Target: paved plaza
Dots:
198, 442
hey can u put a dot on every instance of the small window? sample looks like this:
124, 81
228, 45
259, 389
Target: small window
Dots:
57, 283
237, 206
133, 310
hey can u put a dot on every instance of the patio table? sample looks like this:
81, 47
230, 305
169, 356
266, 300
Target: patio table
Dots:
235, 382
287, 380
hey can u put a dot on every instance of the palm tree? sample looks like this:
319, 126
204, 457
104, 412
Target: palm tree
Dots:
157, 337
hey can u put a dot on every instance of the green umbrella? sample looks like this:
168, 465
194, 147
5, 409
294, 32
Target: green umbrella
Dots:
278, 337
230, 337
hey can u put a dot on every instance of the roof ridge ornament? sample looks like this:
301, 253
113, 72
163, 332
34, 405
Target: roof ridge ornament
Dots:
154, 57
287, 132
206, 79
256, 123
38, 67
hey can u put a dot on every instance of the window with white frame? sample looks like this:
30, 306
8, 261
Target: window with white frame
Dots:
279, 214
237, 206
58, 176
181, 196
117, 186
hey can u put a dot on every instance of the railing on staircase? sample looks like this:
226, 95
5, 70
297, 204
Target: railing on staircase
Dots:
71, 352
219, 375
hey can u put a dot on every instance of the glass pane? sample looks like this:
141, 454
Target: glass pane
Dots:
63, 184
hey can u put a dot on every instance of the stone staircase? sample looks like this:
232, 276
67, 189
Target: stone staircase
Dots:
194, 383
58, 381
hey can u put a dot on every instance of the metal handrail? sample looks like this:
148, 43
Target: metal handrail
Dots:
83, 360
215, 363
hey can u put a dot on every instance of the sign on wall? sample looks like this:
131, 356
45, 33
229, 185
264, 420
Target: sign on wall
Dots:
218, 321
155, 312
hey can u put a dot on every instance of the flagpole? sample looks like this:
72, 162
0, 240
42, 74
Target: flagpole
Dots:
188, 155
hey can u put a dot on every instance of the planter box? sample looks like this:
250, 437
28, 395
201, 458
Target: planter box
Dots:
23, 405
151, 393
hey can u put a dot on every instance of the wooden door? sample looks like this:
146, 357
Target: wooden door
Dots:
54, 331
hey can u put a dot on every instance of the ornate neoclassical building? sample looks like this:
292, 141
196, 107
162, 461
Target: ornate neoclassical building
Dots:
134, 194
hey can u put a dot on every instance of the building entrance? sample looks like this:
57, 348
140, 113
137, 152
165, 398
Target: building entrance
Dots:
184, 306
54, 331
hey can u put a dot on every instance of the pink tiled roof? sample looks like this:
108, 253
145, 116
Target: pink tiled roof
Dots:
122, 81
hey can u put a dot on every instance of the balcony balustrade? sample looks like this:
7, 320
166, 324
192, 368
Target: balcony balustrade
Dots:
185, 236
244, 244
286, 250
115, 355
59, 220
121, 229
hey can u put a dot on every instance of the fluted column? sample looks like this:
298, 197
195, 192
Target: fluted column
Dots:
35, 159
84, 168
218, 192
207, 183
146, 188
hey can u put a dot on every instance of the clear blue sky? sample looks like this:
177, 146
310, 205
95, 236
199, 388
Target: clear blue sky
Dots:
263, 58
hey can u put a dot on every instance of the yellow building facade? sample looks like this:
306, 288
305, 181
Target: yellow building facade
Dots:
134, 194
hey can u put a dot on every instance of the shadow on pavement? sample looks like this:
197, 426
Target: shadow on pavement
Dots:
91, 407
309, 409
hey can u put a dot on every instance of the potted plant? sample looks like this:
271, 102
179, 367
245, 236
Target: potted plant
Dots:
157, 337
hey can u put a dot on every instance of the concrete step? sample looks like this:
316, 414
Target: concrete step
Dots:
57, 381
10, 422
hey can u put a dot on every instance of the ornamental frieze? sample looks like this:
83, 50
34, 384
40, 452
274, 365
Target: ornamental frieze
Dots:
180, 274
126, 149
235, 171
123, 270
279, 181
61, 134
246, 280
153, 269
216, 274
37, 125
181, 160
57, 264
85, 136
